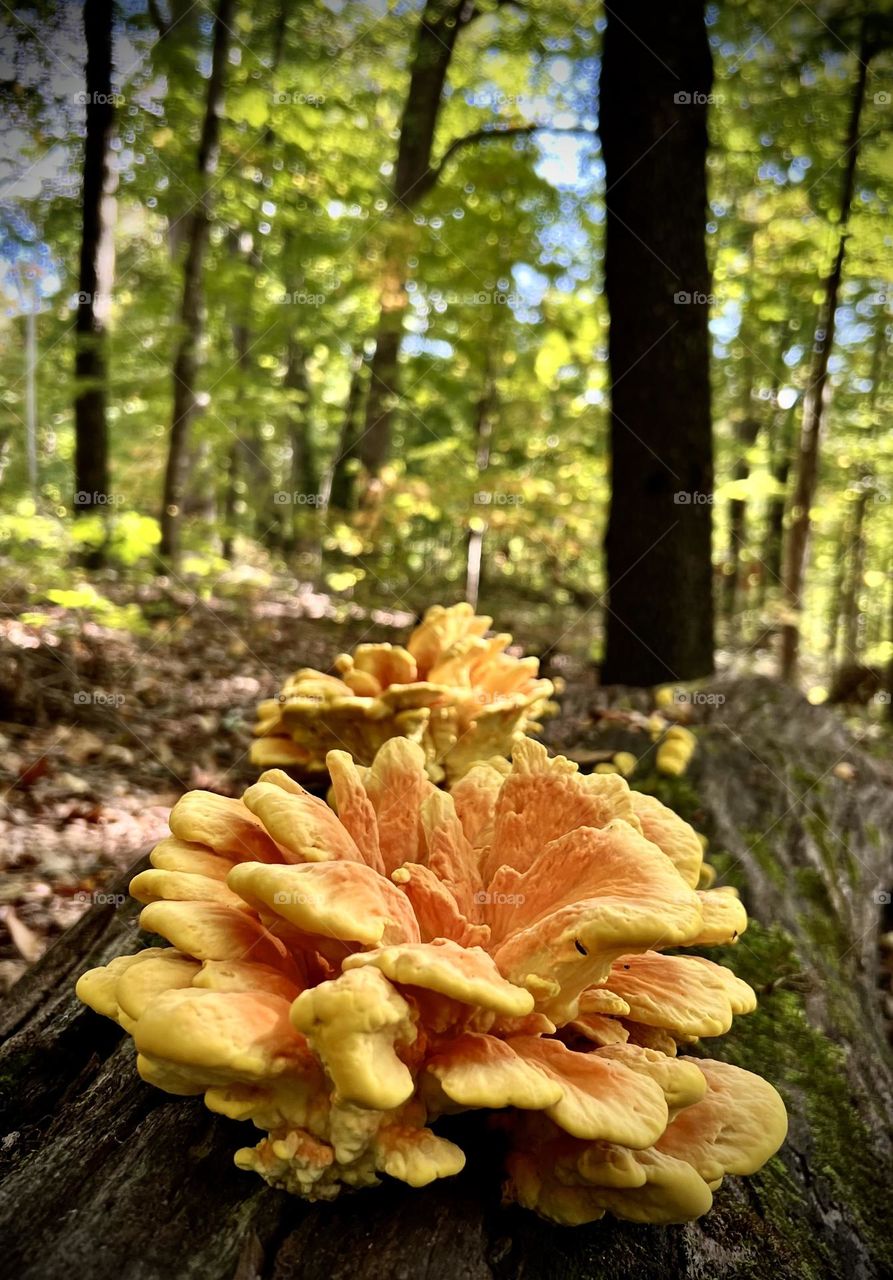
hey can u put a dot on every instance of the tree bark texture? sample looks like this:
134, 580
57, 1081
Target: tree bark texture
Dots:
815, 401
186, 359
655, 82
91, 467
438, 29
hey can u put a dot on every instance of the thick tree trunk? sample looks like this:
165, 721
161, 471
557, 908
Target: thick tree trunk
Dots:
815, 401
109, 1178
438, 29
91, 467
656, 79
186, 360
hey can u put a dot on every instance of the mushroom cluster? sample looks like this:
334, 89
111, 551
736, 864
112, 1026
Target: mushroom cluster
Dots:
344, 977
452, 689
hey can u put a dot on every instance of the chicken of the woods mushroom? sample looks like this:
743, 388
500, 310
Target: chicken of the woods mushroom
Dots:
452, 689
343, 979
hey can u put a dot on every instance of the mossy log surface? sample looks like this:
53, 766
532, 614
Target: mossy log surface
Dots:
106, 1177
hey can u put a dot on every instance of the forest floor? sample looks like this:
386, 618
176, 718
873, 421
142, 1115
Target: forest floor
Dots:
102, 730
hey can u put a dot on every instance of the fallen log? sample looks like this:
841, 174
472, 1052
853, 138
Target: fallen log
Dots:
107, 1177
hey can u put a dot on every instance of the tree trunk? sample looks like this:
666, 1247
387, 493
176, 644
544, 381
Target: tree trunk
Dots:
244, 455
91, 468
656, 77
815, 401
339, 483
31, 398
186, 360
303, 532
889, 672
109, 1178
849, 609
746, 433
486, 408
782, 457
837, 589
438, 29
231, 500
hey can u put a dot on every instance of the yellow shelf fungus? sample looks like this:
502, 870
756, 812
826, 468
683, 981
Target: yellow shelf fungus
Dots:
452, 689
343, 978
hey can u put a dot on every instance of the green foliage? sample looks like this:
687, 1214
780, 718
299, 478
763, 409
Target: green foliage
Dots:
505, 320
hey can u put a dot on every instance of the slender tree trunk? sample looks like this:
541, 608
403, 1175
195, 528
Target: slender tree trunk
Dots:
849, 610
852, 564
31, 397
91, 468
338, 485
478, 527
303, 532
778, 448
889, 673
242, 453
231, 500
782, 458
438, 29
747, 429
656, 78
817, 393
837, 590
187, 356
746, 433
